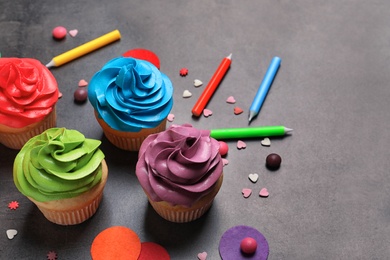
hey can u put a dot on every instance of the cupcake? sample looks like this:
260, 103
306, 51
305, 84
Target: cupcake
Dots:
131, 99
28, 95
63, 173
180, 171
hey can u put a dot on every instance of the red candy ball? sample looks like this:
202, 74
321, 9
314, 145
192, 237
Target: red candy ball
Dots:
223, 148
80, 95
59, 32
248, 245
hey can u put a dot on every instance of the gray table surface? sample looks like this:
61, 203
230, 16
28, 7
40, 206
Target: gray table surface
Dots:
329, 199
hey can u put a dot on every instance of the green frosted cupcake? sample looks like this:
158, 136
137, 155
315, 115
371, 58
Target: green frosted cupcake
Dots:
63, 173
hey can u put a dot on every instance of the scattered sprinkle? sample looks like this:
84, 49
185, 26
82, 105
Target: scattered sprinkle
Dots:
171, 117
51, 255
230, 100
59, 94
83, 83
59, 32
13, 205
80, 95
223, 148
264, 192
73, 32
246, 192
202, 256
207, 112
183, 72
238, 110
266, 142
11, 233
198, 83
187, 93
225, 161
253, 177
241, 145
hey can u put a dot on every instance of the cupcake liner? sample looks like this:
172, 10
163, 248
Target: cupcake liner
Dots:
75, 210
182, 214
15, 138
130, 141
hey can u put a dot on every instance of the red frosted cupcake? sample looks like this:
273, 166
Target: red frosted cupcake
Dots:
28, 95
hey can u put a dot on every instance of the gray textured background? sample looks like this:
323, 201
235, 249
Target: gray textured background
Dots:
330, 198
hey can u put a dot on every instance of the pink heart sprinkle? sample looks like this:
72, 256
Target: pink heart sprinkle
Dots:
59, 95
241, 145
225, 161
231, 100
207, 112
238, 110
264, 192
246, 192
170, 117
83, 83
73, 33
202, 256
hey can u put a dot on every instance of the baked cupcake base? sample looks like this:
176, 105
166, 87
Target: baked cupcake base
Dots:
75, 210
182, 214
15, 138
130, 141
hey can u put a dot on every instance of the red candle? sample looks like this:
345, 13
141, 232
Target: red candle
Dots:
212, 86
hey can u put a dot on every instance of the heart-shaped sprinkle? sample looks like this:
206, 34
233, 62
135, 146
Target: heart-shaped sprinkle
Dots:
264, 192
170, 117
238, 110
253, 177
59, 95
246, 192
202, 256
231, 100
241, 145
207, 112
187, 94
73, 33
83, 83
11, 233
198, 83
225, 161
266, 142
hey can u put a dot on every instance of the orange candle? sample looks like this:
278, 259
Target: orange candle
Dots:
212, 86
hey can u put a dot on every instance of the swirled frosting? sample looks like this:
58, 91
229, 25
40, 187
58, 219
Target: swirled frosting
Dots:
131, 94
58, 164
28, 91
179, 165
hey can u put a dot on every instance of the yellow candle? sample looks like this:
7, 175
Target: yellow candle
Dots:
84, 49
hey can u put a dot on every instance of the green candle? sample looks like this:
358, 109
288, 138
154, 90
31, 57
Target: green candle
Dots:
250, 132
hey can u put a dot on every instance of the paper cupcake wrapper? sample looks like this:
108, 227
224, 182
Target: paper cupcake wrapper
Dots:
129, 141
181, 215
16, 138
72, 217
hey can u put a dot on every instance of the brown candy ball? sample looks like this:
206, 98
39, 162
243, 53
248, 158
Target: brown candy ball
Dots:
80, 95
273, 161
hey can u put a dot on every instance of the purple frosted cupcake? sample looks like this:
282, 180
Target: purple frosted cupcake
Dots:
181, 171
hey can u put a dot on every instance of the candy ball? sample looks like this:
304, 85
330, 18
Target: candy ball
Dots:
223, 148
248, 245
273, 161
59, 32
80, 95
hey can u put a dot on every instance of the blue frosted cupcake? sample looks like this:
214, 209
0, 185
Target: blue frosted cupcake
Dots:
131, 99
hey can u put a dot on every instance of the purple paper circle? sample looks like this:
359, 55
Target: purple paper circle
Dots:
229, 245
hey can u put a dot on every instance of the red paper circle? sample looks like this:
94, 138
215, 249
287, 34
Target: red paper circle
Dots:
143, 54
